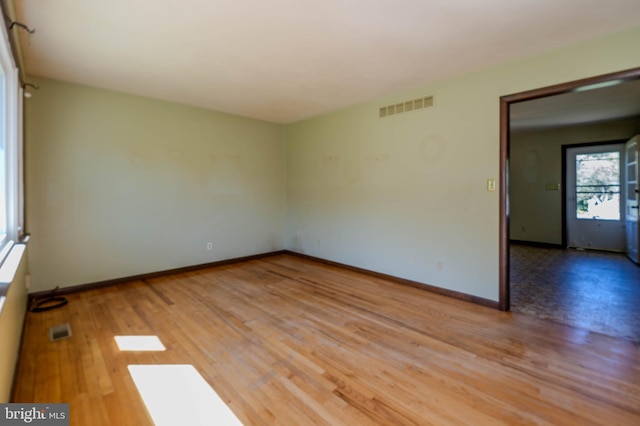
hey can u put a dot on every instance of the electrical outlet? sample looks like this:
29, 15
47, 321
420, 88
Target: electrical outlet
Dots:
209, 246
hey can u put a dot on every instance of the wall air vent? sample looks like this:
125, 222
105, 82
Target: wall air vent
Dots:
408, 106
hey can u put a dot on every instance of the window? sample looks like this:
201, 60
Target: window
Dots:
3, 160
598, 186
10, 146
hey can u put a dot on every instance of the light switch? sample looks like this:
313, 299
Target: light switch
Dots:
491, 184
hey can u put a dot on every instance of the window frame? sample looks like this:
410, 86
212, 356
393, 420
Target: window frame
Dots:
11, 134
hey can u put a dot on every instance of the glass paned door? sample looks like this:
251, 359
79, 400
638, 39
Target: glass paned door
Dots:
595, 197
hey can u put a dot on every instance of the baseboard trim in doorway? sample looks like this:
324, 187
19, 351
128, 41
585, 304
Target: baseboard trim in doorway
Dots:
536, 244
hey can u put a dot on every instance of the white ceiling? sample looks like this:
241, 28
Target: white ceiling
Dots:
286, 60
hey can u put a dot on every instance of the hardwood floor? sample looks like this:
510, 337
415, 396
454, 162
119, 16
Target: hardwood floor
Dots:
288, 341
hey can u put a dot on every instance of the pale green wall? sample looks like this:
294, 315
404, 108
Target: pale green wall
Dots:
536, 160
406, 195
120, 185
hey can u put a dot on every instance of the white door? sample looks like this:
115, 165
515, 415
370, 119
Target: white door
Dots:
631, 208
595, 197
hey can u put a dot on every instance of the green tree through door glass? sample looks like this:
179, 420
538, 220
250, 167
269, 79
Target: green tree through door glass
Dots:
598, 186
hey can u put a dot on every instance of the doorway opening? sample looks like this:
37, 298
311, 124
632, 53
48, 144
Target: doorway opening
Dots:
506, 104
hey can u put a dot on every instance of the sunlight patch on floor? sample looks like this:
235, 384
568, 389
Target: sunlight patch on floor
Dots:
139, 343
179, 395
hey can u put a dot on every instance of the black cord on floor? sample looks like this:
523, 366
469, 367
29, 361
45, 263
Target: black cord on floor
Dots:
48, 303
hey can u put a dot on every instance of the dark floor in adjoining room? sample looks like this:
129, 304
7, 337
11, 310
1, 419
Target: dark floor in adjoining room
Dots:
593, 290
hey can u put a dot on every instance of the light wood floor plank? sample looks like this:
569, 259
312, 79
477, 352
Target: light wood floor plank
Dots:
288, 341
